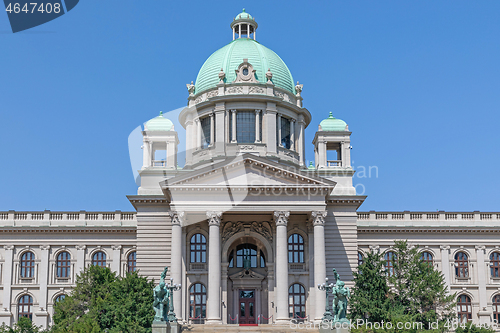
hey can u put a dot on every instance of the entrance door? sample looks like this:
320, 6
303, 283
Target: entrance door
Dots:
247, 306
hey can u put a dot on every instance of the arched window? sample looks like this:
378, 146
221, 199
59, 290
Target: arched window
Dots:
427, 257
59, 298
285, 133
496, 309
99, 259
248, 251
297, 301
262, 259
28, 265
63, 264
464, 309
495, 264
205, 130
197, 301
198, 248
389, 263
360, 258
461, 265
131, 262
296, 248
25, 307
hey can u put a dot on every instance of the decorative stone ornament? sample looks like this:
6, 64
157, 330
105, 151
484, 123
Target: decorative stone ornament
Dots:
190, 88
214, 218
318, 217
176, 217
245, 73
269, 76
298, 88
281, 217
222, 76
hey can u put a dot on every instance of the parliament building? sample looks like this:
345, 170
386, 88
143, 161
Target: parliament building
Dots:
245, 226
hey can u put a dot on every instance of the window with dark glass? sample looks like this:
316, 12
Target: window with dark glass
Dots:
496, 309
63, 264
262, 260
360, 258
464, 308
461, 265
25, 307
59, 298
197, 301
205, 131
295, 248
427, 257
99, 259
231, 259
297, 301
132, 262
245, 126
495, 264
285, 133
248, 252
198, 248
28, 265
389, 263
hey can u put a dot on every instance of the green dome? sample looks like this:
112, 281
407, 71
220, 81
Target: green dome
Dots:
243, 15
333, 124
231, 56
159, 123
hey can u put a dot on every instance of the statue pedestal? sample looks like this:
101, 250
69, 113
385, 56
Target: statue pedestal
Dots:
161, 327
175, 327
334, 328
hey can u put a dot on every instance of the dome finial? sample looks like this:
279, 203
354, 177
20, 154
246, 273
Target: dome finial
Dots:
331, 115
244, 25
161, 113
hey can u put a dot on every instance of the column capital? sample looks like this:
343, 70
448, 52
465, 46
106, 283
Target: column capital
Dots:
214, 218
8, 247
374, 248
81, 247
176, 217
45, 247
281, 217
258, 111
233, 110
444, 247
318, 217
197, 120
480, 247
293, 120
116, 247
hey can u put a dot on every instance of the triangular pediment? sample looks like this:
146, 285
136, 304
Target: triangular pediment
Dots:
247, 171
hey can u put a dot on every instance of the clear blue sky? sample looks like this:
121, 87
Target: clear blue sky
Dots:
417, 82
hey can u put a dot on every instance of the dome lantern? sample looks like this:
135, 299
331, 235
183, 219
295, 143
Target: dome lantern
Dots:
244, 25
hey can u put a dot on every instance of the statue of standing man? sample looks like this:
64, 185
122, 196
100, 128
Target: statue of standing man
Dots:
340, 294
161, 296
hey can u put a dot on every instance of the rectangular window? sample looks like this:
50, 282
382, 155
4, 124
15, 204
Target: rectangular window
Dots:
285, 133
245, 126
205, 132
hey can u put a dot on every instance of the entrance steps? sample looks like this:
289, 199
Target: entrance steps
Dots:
264, 328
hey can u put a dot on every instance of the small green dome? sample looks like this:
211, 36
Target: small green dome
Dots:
243, 15
231, 56
311, 166
333, 124
159, 123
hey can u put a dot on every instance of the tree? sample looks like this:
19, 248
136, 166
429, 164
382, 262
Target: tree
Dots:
369, 298
102, 301
23, 325
418, 289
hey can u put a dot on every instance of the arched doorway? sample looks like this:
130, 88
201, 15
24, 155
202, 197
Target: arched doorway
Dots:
247, 283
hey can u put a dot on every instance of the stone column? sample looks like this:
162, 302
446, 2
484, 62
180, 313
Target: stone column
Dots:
301, 141
292, 134
445, 262
233, 129
279, 130
281, 220
212, 132
214, 268
190, 138
270, 131
80, 260
198, 144
146, 155
257, 126
482, 273
116, 263
318, 220
5, 313
176, 258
